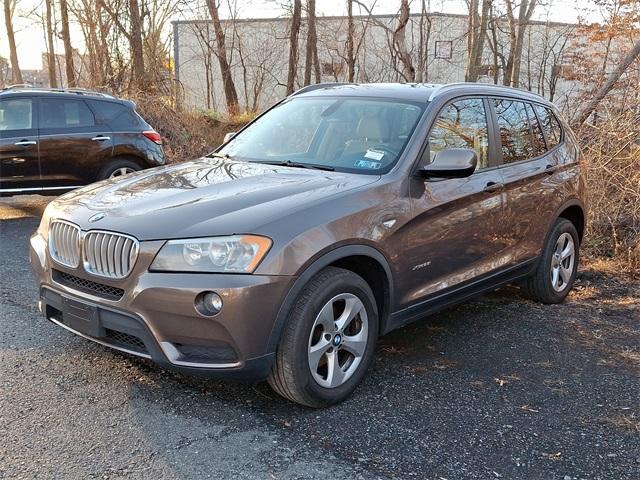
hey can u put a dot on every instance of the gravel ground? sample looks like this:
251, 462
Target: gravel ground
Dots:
496, 388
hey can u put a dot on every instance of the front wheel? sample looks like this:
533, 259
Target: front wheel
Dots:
556, 270
118, 168
329, 340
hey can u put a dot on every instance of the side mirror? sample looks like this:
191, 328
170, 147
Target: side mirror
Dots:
229, 136
451, 163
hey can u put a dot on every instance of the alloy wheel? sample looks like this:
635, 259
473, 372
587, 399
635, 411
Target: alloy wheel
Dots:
119, 172
338, 340
562, 262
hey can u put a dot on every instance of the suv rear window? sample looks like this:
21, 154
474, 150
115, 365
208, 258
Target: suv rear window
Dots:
515, 132
64, 113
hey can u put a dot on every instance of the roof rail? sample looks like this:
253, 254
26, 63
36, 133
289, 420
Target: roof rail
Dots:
498, 88
78, 91
317, 86
17, 85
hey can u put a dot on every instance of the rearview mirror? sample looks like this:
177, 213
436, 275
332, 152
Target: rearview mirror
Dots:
451, 163
229, 136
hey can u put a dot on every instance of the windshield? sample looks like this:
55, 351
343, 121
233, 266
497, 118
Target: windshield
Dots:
346, 134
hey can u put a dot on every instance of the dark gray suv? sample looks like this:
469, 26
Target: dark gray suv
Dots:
340, 214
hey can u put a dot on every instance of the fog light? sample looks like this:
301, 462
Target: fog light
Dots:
208, 303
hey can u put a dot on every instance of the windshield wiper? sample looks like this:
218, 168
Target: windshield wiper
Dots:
289, 163
226, 156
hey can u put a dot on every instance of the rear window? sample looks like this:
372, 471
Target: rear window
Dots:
116, 115
515, 133
64, 113
550, 125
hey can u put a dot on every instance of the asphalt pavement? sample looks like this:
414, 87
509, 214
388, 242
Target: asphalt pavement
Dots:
499, 387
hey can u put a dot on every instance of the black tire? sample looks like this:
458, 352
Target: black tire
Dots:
540, 285
291, 375
115, 165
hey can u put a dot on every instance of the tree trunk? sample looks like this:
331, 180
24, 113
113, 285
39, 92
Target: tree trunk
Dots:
312, 43
517, 29
408, 72
68, 49
51, 54
135, 42
478, 35
230, 93
9, 7
351, 61
608, 85
293, 45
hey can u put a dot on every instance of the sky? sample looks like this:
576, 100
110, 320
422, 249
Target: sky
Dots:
31, 42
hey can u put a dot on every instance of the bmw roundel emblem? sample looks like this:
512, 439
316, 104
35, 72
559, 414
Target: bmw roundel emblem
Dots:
96, 217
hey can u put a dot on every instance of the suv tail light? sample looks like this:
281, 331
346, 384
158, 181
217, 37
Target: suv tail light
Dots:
153, 136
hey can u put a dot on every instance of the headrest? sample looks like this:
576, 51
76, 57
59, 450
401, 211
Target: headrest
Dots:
372, 128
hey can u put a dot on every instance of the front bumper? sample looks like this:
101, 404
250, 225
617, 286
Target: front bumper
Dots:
153, 315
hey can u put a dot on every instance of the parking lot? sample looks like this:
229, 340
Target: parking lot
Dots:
496, 388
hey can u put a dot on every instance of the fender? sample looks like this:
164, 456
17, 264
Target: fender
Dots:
317, 265
572, 202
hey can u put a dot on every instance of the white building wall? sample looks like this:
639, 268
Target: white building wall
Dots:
259, 49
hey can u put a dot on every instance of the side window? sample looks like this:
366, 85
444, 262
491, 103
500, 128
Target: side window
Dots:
515, 134
64, 113
16, 114
550, 125
462, 124
538, 137
115, 115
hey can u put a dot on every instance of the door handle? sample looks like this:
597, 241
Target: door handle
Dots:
493, 186
25, 143
100, 138
549, 169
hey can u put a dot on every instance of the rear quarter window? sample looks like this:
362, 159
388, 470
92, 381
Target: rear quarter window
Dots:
550, 125
116, 115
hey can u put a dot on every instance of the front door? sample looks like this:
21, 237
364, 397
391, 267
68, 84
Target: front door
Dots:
456, 234
19, 164
73, 148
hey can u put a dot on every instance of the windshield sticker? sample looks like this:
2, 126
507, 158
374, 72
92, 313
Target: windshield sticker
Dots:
367, 164
374, 154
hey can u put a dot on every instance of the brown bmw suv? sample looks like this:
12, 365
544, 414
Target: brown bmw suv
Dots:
340, 214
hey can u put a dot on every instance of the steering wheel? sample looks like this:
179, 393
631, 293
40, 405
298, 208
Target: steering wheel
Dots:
381, 147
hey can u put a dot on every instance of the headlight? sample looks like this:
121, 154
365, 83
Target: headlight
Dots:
43, 228
235, 254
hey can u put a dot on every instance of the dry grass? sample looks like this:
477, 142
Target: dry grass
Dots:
187, 134
611, 147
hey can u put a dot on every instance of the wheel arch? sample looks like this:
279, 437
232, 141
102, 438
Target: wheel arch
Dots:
363, 260
574, 211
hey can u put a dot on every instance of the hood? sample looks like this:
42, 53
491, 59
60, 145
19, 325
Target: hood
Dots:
204, 197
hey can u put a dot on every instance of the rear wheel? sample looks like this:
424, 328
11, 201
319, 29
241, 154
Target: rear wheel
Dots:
118, 168
329, 340
556, 270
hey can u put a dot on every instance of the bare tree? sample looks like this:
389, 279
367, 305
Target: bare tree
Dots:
517, 29
135, 41
311, 59
422, 75
230, 93
68, 49
51, 54
293, 45
399, 40
608, 85
476, 37
351, 60
9, 9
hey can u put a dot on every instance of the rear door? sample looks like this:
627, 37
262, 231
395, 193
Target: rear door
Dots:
455, 235
19, 163
73, 148
529, 172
